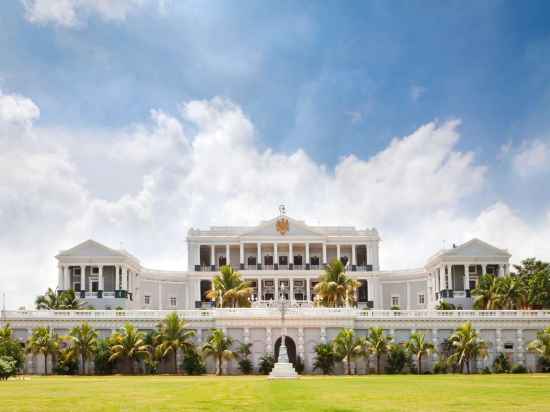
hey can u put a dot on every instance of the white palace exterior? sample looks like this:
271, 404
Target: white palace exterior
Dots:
286, 254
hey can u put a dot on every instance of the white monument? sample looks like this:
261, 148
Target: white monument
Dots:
283, 369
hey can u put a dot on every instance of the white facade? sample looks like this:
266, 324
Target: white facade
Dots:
269, 258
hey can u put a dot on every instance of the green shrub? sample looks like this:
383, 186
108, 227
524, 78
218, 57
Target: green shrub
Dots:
266, 364
325, 358
299, 365
501, 364
11, 347
67, 363
101, 359
8, 367
517, 368
441, 366
192, 363
245, 366
543, 365
398, 358
485, 371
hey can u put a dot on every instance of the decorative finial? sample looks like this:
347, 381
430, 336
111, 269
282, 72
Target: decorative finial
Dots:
282, 210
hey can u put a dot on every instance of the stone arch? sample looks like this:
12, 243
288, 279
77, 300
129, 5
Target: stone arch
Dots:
290, 347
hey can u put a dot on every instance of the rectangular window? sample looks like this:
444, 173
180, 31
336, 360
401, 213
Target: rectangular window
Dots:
395, 300
421, 299
147, 299
172, 301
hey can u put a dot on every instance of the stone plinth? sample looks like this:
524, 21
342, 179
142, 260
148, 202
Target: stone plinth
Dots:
283, 370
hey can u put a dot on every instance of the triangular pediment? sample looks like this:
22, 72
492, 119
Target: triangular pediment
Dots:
91, 248
476, 248
296, 228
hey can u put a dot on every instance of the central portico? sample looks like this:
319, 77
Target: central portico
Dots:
282, 252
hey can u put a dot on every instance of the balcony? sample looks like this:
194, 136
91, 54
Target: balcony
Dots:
117, 294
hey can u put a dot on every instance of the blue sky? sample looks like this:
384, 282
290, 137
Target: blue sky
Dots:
331, 79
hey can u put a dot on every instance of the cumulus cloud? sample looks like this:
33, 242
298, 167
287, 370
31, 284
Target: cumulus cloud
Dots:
532, 158
68, 13
204, 166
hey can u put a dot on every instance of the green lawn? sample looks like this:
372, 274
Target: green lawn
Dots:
256, 393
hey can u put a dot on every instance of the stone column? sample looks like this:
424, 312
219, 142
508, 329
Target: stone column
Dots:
160, 296
101, 280
124, 277
275, 254
82, 277
67, 277
276, 281
246, 335
324, 253
451, 283
197, 254
519, 350
338, 251
268, 341
260, 297
408, 295
307, 254
435, 342
353, 255
466, 277
259, 253
60, 279
323, 335
483, 269
290, 254
291, 289
301, 343
227, 255
442, 285
212, 255
241, 254
498, 346
308, 289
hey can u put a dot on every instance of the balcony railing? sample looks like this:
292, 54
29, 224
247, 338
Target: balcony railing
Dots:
296, 311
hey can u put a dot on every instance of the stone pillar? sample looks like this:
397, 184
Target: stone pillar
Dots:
520, 350
307, 254
275, 254
212, 255
268, 341
101, 280
499, 273
290, 254
291, 289
227, 255
260, 297
160, 296
241, 254
197, 255
276, 281
353, 255
498, 346
124, 277
259, 253
338, 251
408, 296
60, 278
246, 335
324, 253
483, 269
323, 335
67, 277
82, 277
308, 289
451, 283
435, 342
301, 343
466, 277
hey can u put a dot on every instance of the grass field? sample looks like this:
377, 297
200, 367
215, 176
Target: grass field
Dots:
256, 393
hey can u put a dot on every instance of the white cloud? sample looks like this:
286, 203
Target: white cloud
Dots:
532, 157
205, 167
15, 109
68, 13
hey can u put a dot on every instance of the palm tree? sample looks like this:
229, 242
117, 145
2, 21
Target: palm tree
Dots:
128, 343
69, 301
83, 342
378, 344
45, 342
467, 346
418, 346
487, 293
335, 288
444, 305
541, 345
347, 346
513, 292
219, 347
229, 290
324, 358
173, 336
48, 301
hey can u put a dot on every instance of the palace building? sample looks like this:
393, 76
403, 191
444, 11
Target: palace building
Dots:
276, 253
284, 258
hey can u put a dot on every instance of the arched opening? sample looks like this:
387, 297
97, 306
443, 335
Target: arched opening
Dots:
290, 348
